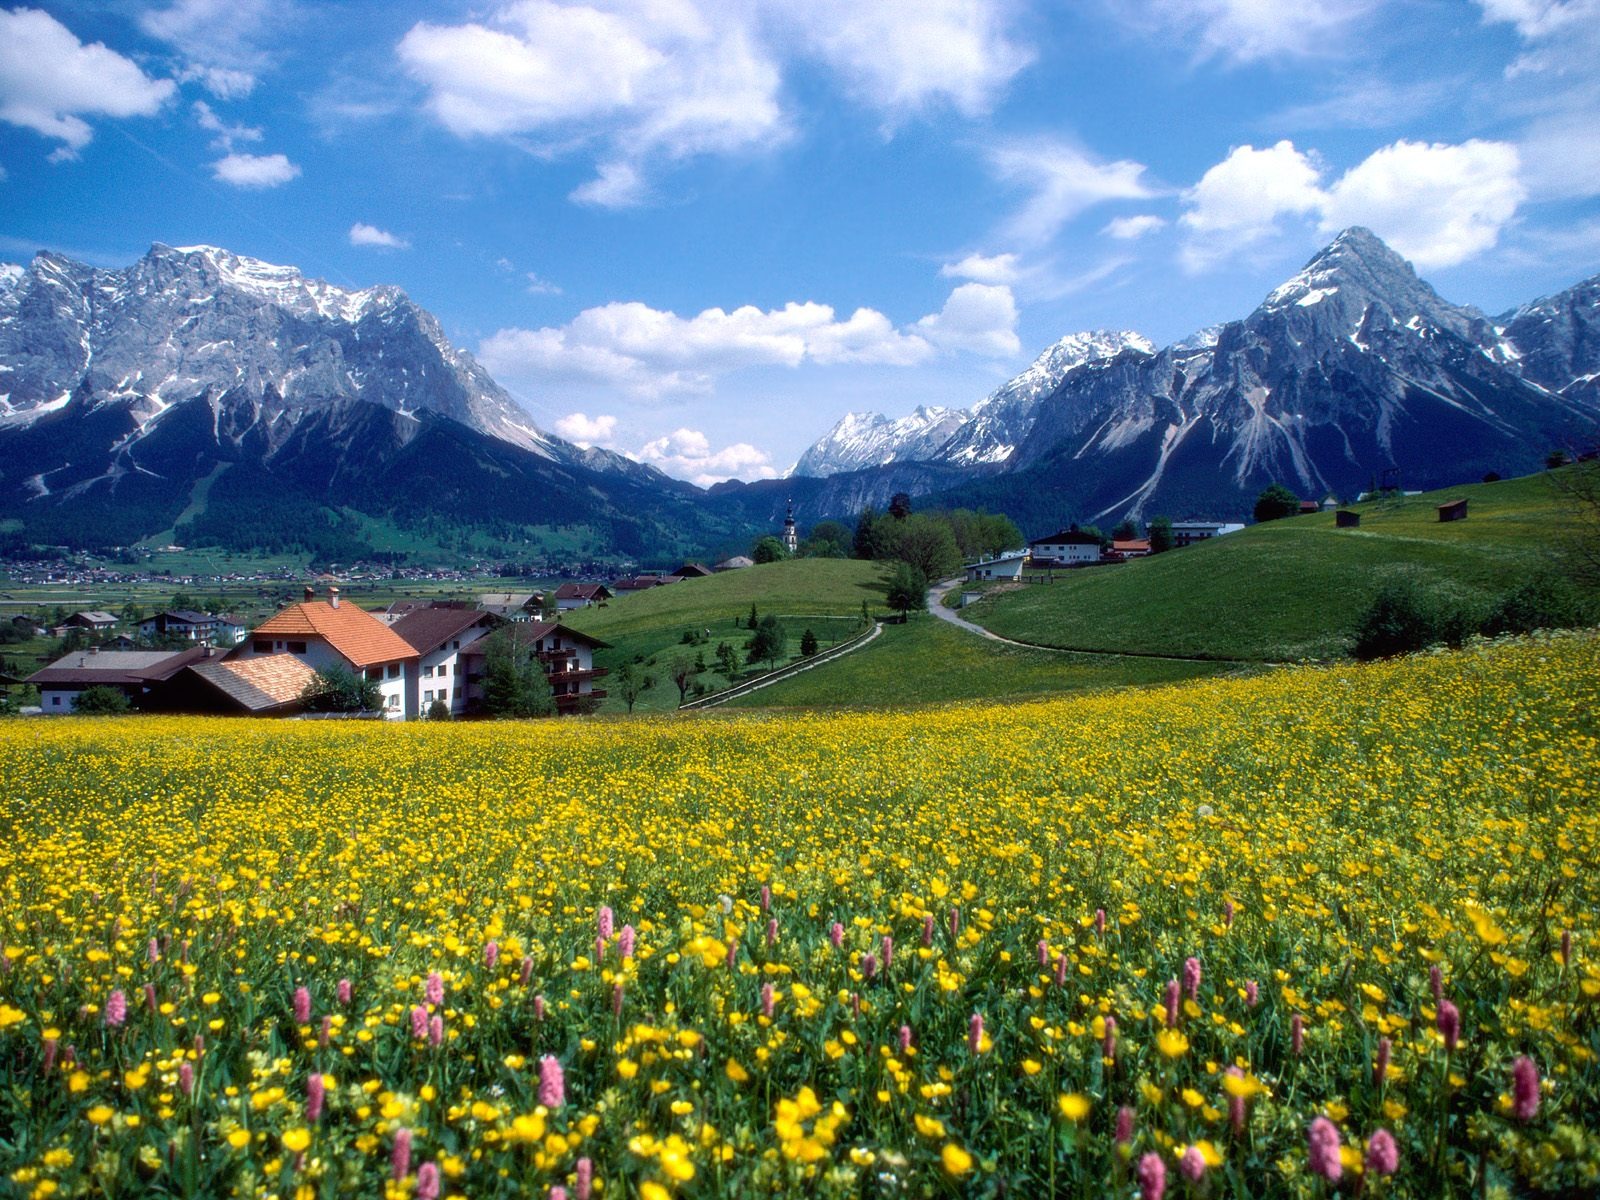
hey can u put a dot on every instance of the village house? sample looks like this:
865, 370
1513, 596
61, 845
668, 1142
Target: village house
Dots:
513, 606
737, 562
1187, 533
693, 570
581, 595
269, 686
326, 633
442, 635
131, 672
89, 622
1065, 548
1001, 566
643, 583
182, 623
1131, 548
566, 655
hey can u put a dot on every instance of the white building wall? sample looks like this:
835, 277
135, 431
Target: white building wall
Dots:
1067, 551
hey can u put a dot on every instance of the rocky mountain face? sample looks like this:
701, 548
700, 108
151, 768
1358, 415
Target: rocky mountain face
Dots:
198, 381
1349, 373
870, 439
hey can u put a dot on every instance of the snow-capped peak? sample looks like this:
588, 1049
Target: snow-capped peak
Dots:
282, 286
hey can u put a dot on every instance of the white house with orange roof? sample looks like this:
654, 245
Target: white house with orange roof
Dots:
324, 633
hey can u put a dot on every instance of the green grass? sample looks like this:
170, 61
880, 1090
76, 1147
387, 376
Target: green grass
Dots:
823, 594
928, 661
1294, 588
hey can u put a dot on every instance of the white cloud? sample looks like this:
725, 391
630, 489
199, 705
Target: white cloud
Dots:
254, 170
577, 427
1253, 30
1238, 202
1438, 205
538, 286
227, 135
618, 185
979, 317
1064, 181
1129, 229
901, 55
216, 40
362, 234
999, 268
687, 454
49, 81
653, 353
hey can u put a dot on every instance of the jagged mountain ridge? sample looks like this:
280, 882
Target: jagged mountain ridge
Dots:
1350, 368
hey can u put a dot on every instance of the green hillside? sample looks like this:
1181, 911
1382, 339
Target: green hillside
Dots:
647, 628
1293, 588
929, 661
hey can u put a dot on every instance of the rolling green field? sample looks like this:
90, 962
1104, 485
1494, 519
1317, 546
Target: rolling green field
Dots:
822, 594
927, 661
1292, 589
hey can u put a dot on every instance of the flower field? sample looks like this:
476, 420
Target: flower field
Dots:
1319, 932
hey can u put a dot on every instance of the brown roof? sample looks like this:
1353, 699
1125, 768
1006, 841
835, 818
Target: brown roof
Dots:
265, 682
1131, 544
355, 633
526, 632
426, 629
581, 591
85, 668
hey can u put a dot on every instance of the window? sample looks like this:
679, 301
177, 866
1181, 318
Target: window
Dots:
394, 701
55, 701
394, 670
297, 647
427, 697
374, 673
261, 647
427, 672
444, 669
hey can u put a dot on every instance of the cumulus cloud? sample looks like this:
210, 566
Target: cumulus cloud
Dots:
1063, 181
577, 427
1245, 31
687, 454
50, 81
1436, 204
255, 170
227, 135
901, 55
217, 40
979, 317
638, 82
980, 268
362, 234
1129, 229
653, 353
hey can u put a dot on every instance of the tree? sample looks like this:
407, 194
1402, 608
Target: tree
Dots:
827, 539
979, 533
727, 661
864, 543
1578, 489
1126, 530
1276, 501
102, 701
1401, 620
1160, 535
337, 689
629, 684
439, 710
684, 672
928, 545
769, 642
182, 600
750, 621
900, 505
769, 550
514, 682
908, 589
808, 644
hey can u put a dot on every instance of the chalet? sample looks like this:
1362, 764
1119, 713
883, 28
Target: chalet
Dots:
693, 570
442, 635
735, 563
121, 642
643, 583
1453, 510
1309, 506
269, 686
180, 624
1131, 547
1065, 548
1187, 533
513, 606
230, 630
93, 622
326, 633
566, 655
1347, 519
581, 595
1002, 566
133, 673
390, 613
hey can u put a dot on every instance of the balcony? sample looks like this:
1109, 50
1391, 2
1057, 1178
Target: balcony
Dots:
576, 675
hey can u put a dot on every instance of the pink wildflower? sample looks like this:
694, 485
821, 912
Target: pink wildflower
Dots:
618, 993
419, 1021
557, 1192
888, 951
1124, 1132
1061, 970
1297, 1034
314, 1097
772, 932
1380, 1069
767, 1003
1108, 1048
50, 1045
116, 1009
1524, 1088
1172, 1003
325, 1033
344, 991
538, 1008
855, 1005
150, 996
153, 951
1252, 993
955, 923
400, 1156
1191, 977
927, 930
186, 1078
1383, 1156
1235, 1103
604, 922
436, 1031
302, 1006
428, 1181
527, 971
766, 898
836, 935
905, 1039
491, 955
1566, 947
1100, 921
625, 941
1323, 1150
584, 1178
975, 1033
433, 990
1152, 1177
599, 947
869, 966
1044, 953
1436, 983
1227, 914
1192, 1165
733, 952
552, 1082
1449, 1024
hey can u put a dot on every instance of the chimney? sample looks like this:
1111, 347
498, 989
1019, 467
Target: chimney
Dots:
94, 649
310, 593
206, 653
333, 596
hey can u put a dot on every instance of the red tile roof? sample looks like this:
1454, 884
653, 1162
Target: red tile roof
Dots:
356, 634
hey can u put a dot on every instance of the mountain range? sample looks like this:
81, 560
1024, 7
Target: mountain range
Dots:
1352, 372
204, 397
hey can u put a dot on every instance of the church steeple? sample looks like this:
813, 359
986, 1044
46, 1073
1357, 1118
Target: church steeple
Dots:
791, 540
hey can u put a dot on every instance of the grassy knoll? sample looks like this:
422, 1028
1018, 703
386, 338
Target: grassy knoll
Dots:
928, 661
1293, 588
822, 594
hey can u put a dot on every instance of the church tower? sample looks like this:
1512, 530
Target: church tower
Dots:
791, 541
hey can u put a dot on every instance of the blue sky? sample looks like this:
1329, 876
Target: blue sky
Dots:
700, 231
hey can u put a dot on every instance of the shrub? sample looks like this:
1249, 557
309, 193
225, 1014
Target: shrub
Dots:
1539, 602
1402, 620
100, 701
